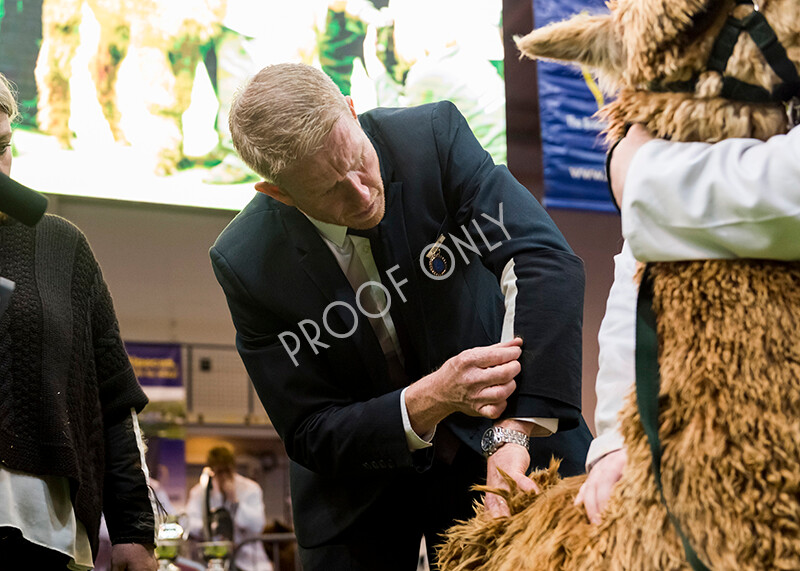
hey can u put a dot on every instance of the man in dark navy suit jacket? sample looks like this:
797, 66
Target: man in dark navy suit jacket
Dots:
394, 292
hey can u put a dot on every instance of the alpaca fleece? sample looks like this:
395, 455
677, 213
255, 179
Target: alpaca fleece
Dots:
729, 336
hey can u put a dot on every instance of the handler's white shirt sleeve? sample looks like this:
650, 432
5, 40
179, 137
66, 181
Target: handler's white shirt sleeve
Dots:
738, 198
616, 372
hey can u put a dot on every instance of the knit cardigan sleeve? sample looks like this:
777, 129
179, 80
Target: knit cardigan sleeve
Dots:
119, 389
127, 502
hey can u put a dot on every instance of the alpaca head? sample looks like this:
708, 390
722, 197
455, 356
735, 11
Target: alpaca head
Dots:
682, 67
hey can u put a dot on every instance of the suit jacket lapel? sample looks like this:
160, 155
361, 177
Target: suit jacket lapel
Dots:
315, 257
322, 268
394, 236
397, 251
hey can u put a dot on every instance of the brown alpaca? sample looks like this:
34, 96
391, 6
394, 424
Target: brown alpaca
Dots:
729, 334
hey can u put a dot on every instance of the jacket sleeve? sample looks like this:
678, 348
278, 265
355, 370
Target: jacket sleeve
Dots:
497, 212
127, 502
119, 389
324, 427
739, 198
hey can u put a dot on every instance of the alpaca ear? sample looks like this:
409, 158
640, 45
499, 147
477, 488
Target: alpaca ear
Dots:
583, 39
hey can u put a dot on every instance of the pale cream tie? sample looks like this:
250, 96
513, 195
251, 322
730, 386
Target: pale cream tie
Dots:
373, 300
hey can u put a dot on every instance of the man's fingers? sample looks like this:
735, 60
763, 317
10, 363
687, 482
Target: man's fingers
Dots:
485, 357
495, 394
488, 377
494, 383
493, 355
492, 410
496, 506
489, 398
500, 374
527, 485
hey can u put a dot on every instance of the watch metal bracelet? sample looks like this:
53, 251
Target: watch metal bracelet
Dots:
497, 436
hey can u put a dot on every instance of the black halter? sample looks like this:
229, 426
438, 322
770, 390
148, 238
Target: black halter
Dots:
764, 37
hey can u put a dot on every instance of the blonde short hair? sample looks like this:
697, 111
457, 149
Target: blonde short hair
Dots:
284, 114
8, 100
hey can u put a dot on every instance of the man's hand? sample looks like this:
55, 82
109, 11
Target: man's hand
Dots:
132, 557
622, 157
476, 382
514, 460
596, 490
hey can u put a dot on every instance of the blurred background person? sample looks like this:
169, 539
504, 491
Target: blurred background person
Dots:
220, 493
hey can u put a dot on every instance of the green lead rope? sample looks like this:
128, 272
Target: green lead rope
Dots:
647, 385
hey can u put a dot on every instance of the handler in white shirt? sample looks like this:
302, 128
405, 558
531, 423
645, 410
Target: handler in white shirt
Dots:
739, 198
244, 500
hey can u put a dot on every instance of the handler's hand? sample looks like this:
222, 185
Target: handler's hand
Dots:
132, 557
514, 460
596, 490
622, 157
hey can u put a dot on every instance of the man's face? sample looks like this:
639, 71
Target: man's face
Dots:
341, 183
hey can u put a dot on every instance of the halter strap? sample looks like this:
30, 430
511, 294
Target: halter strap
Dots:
762, 34
648, 380
756, 25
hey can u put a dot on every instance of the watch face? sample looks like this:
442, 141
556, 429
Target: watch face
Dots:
488, 442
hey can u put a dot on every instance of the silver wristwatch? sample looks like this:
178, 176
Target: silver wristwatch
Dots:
497, 436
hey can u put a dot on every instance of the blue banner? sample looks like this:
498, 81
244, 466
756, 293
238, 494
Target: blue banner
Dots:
573, 151
156, 364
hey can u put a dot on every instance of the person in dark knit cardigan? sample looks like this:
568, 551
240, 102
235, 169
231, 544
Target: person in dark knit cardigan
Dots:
70, 446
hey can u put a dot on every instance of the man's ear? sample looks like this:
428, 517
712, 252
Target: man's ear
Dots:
352, 107
275, 192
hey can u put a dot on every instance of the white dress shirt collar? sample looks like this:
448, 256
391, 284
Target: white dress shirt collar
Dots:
333, 232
